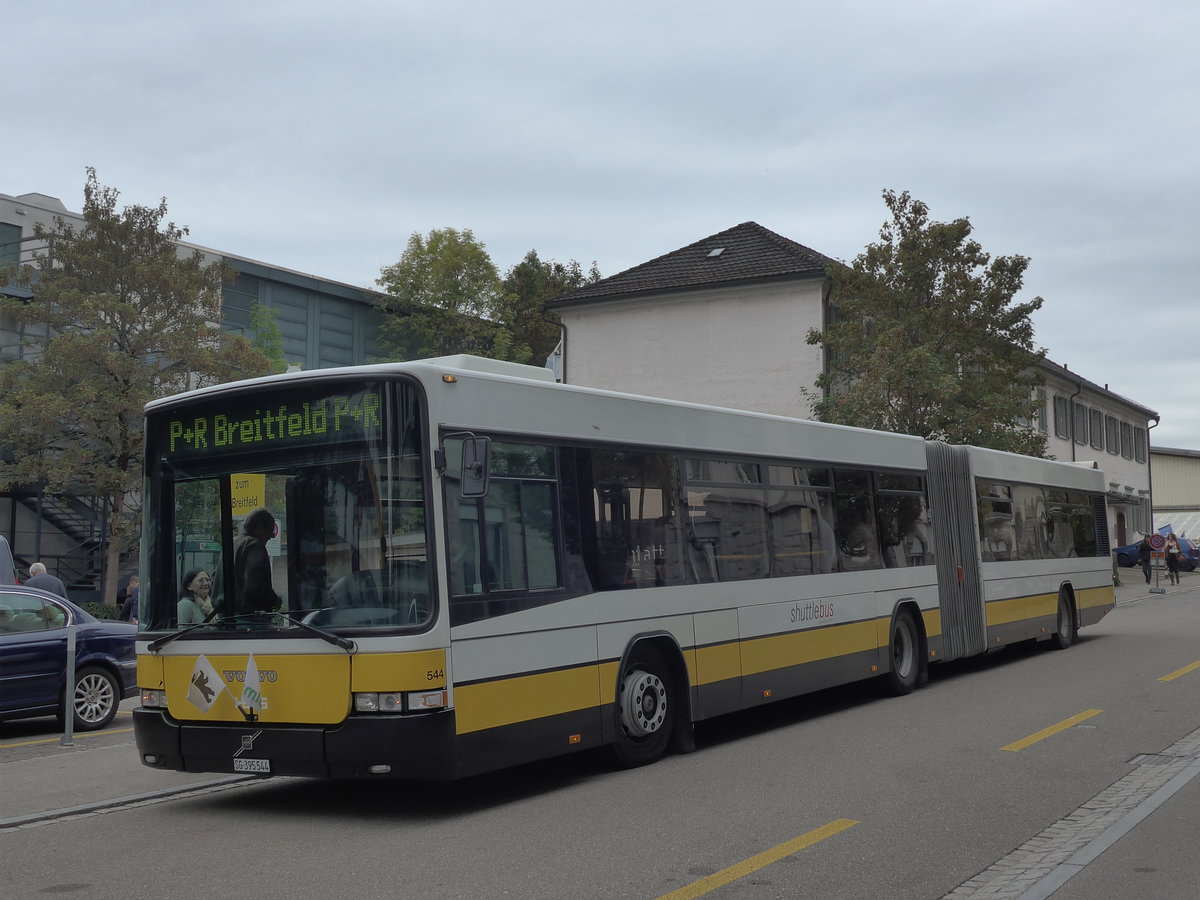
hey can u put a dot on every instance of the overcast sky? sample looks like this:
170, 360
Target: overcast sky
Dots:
319, 136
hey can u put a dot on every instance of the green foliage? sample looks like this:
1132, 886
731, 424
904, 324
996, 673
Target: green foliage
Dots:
266, 336
439, 297
101, 610
119, 316
924, 338
445, 296
527, 287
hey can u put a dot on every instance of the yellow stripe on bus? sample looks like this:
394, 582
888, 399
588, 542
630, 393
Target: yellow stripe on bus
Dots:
782, 650
490, 704
1019, 609
1100, 596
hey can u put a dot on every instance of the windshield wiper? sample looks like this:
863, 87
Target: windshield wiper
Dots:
344, 643
161, 642
329, 637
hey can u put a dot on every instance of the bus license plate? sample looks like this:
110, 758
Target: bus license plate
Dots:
260, 766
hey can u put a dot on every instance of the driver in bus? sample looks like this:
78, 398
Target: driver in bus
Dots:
252, 565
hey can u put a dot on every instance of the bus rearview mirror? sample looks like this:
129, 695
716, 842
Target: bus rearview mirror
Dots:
476, 466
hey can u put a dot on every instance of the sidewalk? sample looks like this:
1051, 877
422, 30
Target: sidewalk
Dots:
87, 776
1133, 585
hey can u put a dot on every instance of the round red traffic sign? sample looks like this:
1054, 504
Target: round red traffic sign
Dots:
1157, 541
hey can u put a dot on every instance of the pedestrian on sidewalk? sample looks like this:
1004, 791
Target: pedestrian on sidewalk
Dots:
40, 578
1173, 553
1144, 556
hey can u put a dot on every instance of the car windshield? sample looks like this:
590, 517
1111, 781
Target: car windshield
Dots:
307, 506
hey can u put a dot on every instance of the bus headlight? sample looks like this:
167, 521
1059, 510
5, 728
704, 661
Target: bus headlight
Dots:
154, 698
376, 702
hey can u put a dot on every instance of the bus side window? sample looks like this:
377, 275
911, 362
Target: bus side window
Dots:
857, 538
636, 532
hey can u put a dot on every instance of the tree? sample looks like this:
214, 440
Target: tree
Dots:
526, 288
924, 337
118, 317
439, 298
266, 336
445, 296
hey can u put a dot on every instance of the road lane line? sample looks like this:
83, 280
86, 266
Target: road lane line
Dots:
758, 861
1179, 672
1052, 730
56, 740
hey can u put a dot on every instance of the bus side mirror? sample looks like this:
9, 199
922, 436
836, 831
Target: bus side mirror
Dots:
476, 467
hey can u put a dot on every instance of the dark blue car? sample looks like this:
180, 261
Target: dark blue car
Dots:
33, 659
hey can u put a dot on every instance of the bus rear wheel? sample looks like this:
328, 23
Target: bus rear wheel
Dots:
905, 655
646, 708
1064, 631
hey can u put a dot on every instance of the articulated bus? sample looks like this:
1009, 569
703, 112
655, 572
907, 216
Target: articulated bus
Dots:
474, 566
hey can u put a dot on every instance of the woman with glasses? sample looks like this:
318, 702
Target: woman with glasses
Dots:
196, 602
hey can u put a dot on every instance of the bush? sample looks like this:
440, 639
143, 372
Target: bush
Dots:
102, 610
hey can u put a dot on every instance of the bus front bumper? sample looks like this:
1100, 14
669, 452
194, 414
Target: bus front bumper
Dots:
413, 747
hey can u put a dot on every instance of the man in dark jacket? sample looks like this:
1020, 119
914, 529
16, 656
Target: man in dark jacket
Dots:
252, 564
40, 578
1144, 556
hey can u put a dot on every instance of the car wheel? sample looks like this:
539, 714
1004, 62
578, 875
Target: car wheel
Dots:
1123, 559
96, 698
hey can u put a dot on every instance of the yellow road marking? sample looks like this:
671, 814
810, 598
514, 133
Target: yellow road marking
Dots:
1052, 730
758, 861
1178, 672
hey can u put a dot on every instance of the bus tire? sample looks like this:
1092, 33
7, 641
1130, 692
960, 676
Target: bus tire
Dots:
647, 705
1064, 629
905, 655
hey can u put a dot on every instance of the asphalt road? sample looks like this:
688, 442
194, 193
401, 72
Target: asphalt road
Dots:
1028, 772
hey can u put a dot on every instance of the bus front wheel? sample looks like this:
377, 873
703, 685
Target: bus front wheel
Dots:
646, 707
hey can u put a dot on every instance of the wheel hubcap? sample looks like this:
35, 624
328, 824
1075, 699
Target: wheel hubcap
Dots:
643, 703
93, 698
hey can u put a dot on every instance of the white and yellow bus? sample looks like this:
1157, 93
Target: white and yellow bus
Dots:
477, 567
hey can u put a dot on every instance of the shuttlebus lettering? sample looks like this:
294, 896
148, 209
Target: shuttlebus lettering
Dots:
812, 611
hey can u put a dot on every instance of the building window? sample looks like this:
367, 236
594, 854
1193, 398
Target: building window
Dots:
1043, 418
1127, 440
1081, 422
1097, 429
1139, 444
1062, 421
1112, 439
10, 244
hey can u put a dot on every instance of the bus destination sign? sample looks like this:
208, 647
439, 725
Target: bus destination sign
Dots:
338, 417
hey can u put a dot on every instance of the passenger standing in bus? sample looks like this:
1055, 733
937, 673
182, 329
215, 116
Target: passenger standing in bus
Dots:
252, 564
1173, 552
1144, 556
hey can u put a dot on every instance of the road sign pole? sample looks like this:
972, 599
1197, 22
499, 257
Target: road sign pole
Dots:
68, 738
1157, 557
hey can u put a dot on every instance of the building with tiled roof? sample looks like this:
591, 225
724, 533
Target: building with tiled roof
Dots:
703, 323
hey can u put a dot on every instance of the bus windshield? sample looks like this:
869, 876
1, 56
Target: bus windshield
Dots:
301, 503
